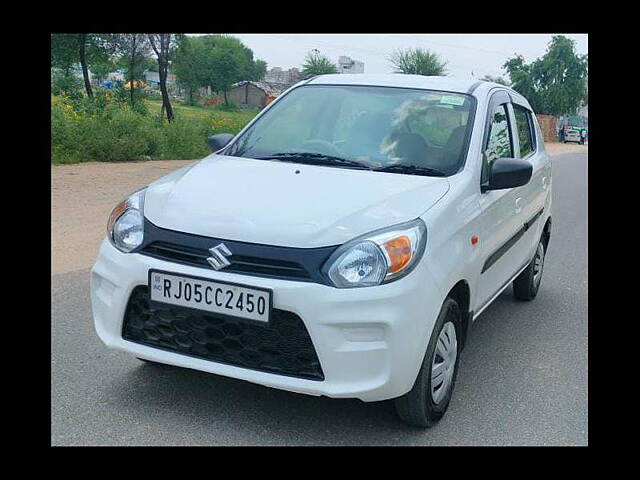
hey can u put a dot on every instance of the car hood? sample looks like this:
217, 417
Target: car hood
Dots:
287, 204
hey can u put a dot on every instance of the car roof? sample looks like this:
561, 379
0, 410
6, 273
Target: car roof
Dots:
471, 86
450, 84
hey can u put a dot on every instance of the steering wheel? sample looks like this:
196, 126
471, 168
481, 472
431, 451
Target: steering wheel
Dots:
323, 147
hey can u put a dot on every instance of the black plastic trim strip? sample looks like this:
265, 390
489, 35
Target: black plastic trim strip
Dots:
495, 256
275, 257
528, 224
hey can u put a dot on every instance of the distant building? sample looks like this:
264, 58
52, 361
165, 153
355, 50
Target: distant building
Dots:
117, 76
348, 65
284, 78
153, 78
252, 94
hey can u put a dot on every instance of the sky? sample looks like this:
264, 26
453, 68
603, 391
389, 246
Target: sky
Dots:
467, 55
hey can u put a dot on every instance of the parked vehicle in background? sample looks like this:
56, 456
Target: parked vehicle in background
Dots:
572, 129
341, 244
583, 137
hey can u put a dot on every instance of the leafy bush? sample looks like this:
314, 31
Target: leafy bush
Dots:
125, 135
65, 83
183, 139
108, 129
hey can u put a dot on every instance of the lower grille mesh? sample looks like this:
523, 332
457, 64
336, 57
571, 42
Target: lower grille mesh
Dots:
282, 347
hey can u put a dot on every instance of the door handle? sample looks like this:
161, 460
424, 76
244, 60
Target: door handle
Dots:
518, 205
544, 183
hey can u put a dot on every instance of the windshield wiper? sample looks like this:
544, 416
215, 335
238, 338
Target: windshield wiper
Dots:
412, 170
313, 159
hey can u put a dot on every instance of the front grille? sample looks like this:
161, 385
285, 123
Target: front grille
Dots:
272, 261
283, 346
239, 263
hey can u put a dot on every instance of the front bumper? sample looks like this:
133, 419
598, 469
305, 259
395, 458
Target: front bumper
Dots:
370, 341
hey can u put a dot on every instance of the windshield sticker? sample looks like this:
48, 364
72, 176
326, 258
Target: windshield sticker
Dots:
451, 100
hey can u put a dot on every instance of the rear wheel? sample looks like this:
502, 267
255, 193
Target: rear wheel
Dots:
426, 403
527, 284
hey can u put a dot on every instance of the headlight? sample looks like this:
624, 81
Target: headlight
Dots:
125, 227
378, 257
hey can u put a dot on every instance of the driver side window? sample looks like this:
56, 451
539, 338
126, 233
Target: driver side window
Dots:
499, 144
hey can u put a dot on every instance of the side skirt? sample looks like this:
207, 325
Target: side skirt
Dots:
500, 290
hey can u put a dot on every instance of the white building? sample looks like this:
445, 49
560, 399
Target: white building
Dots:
153, 78
348, 65
285, 77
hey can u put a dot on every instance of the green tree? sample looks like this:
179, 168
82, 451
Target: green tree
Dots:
499, 80
65, 82
522, 81
317, 64
417, 61
556, 83
188, 65
225, 71
217, 61
259, 70
163, 44
134, 52
86, 49
101, 70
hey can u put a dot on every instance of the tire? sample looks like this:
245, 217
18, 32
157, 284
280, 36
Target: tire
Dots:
527, 284
420, 406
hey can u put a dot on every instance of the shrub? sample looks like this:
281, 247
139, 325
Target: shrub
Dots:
183, 139
126, 135
108, 129
65, 83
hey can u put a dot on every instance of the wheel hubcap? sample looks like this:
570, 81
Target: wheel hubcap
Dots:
538, 263
444, 362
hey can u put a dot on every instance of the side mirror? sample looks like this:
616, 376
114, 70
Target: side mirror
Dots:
218, 141
509, 173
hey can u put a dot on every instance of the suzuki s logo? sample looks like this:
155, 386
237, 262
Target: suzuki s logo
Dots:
218, 258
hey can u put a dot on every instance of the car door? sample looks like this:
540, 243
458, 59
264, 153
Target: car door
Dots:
534, 193
502, 210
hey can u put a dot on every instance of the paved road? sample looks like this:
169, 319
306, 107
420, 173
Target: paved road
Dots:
523, 377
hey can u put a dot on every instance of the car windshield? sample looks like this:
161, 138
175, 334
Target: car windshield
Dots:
397, 130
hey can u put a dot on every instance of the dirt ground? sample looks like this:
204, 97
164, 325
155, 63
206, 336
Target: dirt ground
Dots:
83, 195
557, 148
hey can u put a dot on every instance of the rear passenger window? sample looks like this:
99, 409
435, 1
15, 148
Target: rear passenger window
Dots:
499, 143
523, 124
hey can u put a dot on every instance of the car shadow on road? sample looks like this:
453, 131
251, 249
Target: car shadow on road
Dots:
193, 399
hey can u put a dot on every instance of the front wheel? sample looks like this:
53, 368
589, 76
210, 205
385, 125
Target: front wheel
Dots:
426, 403
527, 284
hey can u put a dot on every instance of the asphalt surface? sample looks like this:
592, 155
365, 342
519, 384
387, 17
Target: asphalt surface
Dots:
522, 380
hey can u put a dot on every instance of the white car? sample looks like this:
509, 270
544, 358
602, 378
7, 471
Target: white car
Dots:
341, 244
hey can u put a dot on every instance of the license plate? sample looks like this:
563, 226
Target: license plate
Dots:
210, 296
